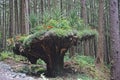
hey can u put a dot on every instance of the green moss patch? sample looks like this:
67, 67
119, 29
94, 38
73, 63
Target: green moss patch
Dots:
59, 32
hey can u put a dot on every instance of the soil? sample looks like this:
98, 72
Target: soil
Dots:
9, 70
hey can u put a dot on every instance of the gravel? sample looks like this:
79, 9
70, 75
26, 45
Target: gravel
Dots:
7, 73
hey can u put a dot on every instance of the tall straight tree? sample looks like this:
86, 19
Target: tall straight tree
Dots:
115, 40
16, 16
100, 47
35, 6
27, 16
4, 26
83, 10
24, 17
11, 28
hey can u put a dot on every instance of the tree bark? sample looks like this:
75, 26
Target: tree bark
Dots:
83, 11
12, 26
100, 47
115, 40
51, 49
24, 15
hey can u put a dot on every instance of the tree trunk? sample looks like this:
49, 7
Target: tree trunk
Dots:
83, 12
115, 40
24, 17
100, 47
11, 28
16, 17
55, 65
35, 7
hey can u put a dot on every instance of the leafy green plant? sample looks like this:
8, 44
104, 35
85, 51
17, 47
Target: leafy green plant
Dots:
36, 29
75, 20
46, 17
56, 14
33, 19
39, 61
87, 32
84, 77
84, 60
62, 23
4, 55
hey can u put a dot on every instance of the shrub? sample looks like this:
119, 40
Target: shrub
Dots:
33, 19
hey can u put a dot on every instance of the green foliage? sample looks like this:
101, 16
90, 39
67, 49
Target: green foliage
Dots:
37, 28
84, 77
87, 67
87, 32
59, 27
29, 38
9, 55
32, 70
46, 17
84, 60
33, 19
75, 21
21, 38
39, 61
56, 14
62, 23
61, 32
4, 55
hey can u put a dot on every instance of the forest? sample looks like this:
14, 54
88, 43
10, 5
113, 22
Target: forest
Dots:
59, 40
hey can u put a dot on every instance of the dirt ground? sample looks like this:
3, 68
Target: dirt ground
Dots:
71, 72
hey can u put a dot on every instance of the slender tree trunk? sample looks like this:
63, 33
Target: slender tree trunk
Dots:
11, 28
4, 26
24, 17
35, 7
84, 12
100, 47
16, 16
42, 9
115, 40
27, 17
61, 6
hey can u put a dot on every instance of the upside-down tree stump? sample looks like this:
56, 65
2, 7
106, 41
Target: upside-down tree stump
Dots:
49, 47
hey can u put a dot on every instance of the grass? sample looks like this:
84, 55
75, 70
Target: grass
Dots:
4, 55
9, 55
87, 67
84, 77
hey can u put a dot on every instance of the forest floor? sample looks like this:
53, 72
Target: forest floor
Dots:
10, 69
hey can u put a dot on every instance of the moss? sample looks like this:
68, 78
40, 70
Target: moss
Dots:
22, 38
87, 32
62, 23
29, 38
60, 32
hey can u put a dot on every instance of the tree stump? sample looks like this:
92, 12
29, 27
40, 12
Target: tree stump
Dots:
50, 48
